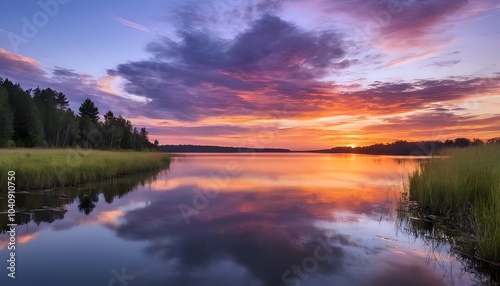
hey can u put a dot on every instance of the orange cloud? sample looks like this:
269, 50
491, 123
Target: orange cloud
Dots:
105, 84
27, 238
20, 239
110, 217
18, 58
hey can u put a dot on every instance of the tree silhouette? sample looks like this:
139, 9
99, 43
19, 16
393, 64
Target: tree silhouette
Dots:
88, 108
462, 142
40, 117
28, 130
53, 110
6, 118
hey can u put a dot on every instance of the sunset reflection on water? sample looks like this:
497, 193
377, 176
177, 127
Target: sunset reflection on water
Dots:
246, 219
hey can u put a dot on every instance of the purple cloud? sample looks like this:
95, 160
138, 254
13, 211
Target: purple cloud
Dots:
203, 75
444, 63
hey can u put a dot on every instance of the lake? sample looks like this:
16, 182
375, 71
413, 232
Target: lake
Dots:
231, 219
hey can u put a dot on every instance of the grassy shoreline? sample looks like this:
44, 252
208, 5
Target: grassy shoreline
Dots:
47, 168
464, 186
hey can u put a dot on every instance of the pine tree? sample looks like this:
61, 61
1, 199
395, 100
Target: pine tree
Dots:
51, 107
28, 128
6, 118
89, 109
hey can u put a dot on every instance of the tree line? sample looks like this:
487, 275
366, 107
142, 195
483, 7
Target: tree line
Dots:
402, 147
42, 118
216, 149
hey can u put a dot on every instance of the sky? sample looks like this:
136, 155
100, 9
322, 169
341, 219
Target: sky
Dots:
296, 74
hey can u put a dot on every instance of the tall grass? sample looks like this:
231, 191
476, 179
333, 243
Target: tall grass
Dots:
45, 168
464, 185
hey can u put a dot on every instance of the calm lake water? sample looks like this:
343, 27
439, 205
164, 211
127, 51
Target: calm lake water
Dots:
232, 219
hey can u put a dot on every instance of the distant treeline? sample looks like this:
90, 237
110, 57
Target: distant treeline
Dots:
411, 148
214, 149
42, 118
396, 148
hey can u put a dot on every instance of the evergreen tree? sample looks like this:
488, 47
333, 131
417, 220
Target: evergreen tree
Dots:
109, 129
88, 108
52, 106
135, 139
28, 129
90, 133
41, 117
70, 129
142, 139
118, 131
127, 136
6, 118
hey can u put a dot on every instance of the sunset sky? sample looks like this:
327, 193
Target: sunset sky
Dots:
295, 74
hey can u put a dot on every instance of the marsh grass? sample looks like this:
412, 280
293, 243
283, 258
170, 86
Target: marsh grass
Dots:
46, 168
463, 185
444, 241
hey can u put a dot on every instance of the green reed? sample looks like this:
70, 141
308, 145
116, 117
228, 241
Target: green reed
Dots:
46, 168
464, 185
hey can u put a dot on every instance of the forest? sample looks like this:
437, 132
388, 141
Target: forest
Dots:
42, 118
216, 149
402, 147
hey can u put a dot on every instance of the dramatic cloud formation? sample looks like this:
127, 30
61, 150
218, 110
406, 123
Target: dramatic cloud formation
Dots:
271, 63
219, 72
407, 24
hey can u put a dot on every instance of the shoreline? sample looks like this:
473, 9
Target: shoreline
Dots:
38, 169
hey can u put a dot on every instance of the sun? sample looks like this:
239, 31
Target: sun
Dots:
353, 145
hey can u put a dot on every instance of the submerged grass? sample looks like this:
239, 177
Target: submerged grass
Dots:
46, 168
464, 186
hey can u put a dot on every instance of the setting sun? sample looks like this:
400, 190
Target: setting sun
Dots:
250, 142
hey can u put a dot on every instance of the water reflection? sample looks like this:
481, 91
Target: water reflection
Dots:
256, 231
49, 205
446, 240
287, 219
